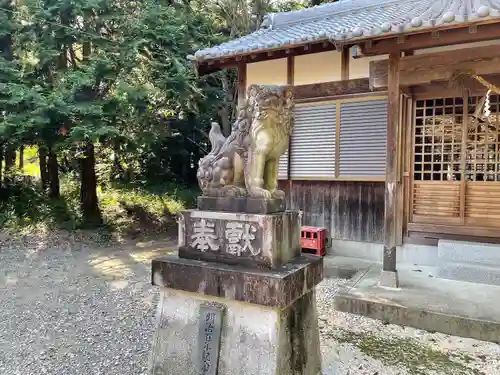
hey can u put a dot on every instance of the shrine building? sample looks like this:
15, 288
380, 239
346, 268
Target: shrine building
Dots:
396, 142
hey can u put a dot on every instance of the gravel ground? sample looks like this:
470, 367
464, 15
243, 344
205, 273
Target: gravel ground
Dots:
74, 309
69, 306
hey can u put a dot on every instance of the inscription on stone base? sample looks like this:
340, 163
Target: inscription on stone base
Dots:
241, 204
254, 240
209, 334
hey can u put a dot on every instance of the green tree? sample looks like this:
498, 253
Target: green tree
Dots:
104, 89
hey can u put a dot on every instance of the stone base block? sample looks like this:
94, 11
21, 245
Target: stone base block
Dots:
255, 340
389, 279
277, 288
241, 204
254, 240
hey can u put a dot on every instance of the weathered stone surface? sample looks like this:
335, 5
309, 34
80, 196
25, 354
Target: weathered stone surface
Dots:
246, 163
242, 204
255, 339
265, 241
277, 288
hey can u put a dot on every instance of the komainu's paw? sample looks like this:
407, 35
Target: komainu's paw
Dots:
259, 193
278, 194
233, 191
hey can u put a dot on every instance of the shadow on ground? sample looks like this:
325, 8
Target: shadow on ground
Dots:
73, 309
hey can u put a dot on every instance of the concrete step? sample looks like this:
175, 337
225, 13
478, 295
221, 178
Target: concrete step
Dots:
484, 254
433, 304
468, 272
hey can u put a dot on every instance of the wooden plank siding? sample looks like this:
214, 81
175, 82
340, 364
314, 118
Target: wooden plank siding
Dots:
330, 90
350, 210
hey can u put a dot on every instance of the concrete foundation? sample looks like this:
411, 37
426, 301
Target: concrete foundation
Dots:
423, 301
255, 339
454, 260
469, 261
406, 254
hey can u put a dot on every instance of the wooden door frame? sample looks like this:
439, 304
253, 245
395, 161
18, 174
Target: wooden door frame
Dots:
436, 230
407, 157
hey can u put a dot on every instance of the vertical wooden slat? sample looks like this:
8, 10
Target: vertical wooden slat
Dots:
350, 210
242, 83
344, 76
344, 63
407, 173
290, 70
399, 197
290, 73
465, 128
413, 158
389, 275
337, 141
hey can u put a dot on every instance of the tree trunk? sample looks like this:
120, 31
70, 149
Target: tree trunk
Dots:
21, 158
53, 175
10, 158
44, 172
10, 162
88, 187
117, 170
1, 160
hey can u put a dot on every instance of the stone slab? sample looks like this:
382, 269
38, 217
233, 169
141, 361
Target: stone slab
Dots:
277, 288
485, 254
424, 302
241, 204
253, 240
405, 254
471, 273
255, 339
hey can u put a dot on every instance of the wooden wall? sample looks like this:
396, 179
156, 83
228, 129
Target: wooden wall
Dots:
350, 210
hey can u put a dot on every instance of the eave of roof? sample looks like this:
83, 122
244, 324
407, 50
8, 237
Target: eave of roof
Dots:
349, 21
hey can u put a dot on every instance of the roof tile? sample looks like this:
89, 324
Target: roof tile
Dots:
348, 20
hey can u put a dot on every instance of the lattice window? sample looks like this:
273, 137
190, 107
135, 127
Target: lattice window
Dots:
438, 139
483, 138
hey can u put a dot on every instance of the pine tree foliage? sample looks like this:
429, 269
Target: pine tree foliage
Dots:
104, 89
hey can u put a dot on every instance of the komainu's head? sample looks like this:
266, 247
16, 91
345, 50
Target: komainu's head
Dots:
273, 101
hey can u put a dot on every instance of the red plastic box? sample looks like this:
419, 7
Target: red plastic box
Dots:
313, 238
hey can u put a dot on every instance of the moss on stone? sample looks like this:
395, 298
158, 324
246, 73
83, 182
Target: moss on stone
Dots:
417, 358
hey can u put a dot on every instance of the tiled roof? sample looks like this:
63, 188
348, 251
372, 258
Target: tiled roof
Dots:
349, 20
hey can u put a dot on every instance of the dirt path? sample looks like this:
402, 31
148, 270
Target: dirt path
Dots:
85, 311
68, 307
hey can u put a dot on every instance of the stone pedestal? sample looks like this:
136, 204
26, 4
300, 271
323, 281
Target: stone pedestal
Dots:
269, 322
244, 204
239, 299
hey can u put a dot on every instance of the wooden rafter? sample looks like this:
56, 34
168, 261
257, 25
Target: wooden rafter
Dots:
425, 68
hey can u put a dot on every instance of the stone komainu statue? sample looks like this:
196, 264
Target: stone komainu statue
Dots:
246, 163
